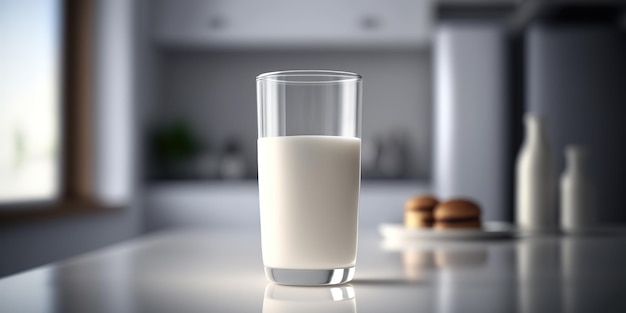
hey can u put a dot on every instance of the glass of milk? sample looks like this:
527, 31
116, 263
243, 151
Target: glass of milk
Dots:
309, 153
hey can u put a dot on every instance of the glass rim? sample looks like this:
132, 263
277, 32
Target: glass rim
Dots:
325, 77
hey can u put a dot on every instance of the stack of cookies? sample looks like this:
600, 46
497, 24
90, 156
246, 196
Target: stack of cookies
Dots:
426, 211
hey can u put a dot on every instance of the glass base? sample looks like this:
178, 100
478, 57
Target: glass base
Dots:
310, 277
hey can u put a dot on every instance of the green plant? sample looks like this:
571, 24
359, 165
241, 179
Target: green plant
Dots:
175, 142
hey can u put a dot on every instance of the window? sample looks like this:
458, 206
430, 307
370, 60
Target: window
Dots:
46, 160
30, 100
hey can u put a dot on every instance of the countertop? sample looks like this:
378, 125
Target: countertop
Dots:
221, 271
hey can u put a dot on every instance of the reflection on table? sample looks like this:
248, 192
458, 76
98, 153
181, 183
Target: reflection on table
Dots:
289, 299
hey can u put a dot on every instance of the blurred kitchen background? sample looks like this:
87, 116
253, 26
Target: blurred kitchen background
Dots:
123, 117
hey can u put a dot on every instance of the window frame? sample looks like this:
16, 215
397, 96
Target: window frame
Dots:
76, 164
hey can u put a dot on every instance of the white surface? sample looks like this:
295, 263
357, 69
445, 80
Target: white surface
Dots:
470, 157
490, 230
309, 199
285, 23
286, 299
222, 271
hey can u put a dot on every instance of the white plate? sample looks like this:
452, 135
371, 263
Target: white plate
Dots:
490, 230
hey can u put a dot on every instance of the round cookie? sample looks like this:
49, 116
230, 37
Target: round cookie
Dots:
425, 203
418, 211
457, 213
416, 219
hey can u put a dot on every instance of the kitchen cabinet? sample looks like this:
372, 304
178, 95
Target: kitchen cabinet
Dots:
291, 24
207, 53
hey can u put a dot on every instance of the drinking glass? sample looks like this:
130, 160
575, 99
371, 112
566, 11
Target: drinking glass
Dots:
309, 154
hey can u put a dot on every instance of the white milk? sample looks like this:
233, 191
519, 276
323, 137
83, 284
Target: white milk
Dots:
309, 197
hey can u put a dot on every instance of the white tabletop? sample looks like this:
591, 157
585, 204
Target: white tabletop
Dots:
221, 271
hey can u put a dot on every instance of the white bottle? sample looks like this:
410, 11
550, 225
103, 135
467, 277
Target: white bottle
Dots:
576, 191
534, 209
